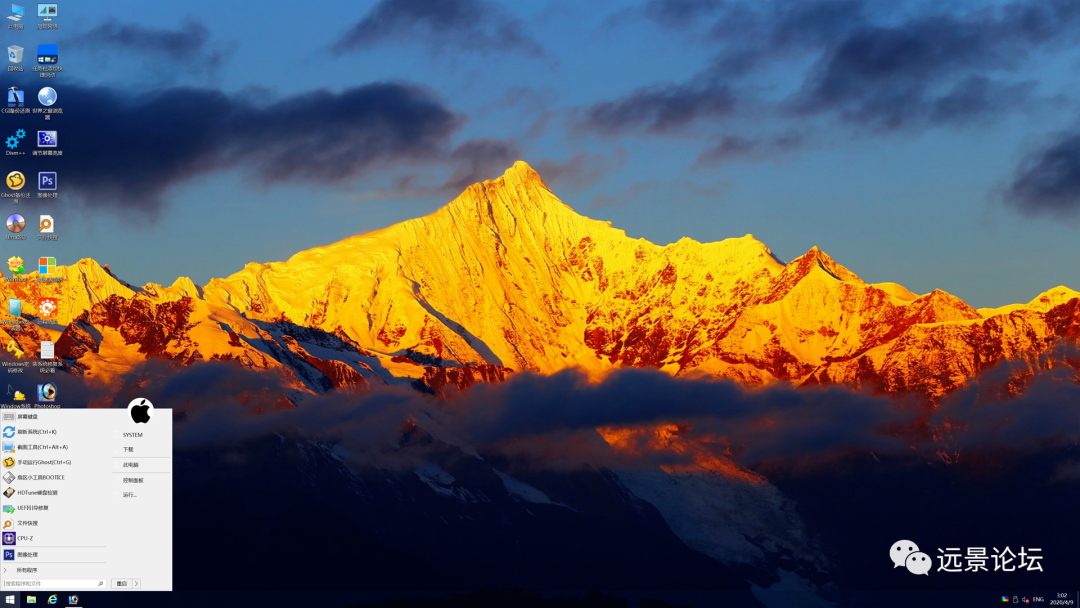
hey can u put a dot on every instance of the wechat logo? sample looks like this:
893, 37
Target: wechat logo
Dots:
906, 554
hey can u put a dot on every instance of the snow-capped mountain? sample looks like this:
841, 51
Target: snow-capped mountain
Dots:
506, 277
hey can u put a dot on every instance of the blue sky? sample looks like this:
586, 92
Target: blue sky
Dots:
931, 144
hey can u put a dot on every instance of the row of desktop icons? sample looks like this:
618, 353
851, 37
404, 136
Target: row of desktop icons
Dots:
46, 393
46, 307
44, 10
16, 97
47, 54
45, 139
17, 223
46, 265
73, 600
48, 350
46, 180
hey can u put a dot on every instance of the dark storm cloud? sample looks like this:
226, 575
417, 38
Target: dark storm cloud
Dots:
190, 44
660, 109
317, 137
470, 25
1048, 180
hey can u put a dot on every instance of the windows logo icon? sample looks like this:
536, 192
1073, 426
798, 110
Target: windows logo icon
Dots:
47, 265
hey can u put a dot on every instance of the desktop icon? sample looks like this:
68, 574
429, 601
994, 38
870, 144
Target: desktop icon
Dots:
46, 393
47, 265
15, 54
46, 139
17, 12
12, 141
13, 348
47, 307
47, 95
46, 11
15, 264
47, 53
9, 555
14, 307
47, 224
9, 463
47, 350
16, 223
19, 396
8, 538
9, 432
16, 180
9, 447
46, 180
15, 97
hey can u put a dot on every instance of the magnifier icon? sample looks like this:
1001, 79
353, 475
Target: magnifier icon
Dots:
46, 223
7, 524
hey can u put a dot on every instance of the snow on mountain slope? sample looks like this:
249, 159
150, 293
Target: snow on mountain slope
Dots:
506, 277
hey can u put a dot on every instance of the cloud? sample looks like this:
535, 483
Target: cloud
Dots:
284, 140
929, 66
581, 170
188, 45
660, 109
477, 160
731, 147
1047, 182
468, 25
680, 13
879, 66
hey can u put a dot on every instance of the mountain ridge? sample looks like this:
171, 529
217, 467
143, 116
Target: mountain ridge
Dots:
506, 277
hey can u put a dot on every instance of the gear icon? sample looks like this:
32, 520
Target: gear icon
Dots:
21, 133
12, 143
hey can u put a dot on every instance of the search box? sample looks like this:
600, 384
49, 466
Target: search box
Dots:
61, 584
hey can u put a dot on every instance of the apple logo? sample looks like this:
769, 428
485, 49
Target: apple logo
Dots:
141, 410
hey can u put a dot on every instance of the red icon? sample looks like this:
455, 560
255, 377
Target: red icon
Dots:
47, 307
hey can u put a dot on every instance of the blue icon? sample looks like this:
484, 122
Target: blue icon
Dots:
52, 599
47, 96
46, 393
15, 53
48, 53
46, 139
9, 432
46, 11
10, 510
73, 599
14, 307
9, 538
15, 97
17, 12
13, 141
9, 555
46, 180
9, 446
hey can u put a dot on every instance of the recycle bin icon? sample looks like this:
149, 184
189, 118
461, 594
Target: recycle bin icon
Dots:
14, 54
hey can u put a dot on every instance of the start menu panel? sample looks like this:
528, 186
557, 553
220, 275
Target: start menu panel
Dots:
87, 499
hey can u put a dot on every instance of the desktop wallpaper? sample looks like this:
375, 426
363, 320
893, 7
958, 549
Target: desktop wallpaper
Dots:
676, 299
